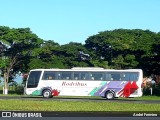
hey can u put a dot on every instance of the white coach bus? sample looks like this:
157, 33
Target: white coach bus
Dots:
106, 83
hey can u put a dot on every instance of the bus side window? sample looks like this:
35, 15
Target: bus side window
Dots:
110, 77
116, 77
131, 76
58, 75
97, 76
45, 77
50, 77
66, 75
83, 76
76, 76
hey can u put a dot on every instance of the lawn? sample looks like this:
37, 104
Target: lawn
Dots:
59, 105
143, 98
32, 105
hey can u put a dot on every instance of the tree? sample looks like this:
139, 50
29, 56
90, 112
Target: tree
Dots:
18, 44
124, 48
73, 55
45, 56
22, 50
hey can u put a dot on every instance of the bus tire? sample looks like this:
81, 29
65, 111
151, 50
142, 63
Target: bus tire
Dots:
47, 93
109, 95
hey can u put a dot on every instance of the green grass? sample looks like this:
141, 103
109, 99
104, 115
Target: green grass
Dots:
29, 105
143, 98
120, 98
91, 97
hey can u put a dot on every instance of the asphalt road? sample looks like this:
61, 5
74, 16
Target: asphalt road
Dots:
80, 99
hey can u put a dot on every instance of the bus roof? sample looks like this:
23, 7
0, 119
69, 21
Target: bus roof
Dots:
86, 69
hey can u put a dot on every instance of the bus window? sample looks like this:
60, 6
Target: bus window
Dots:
113, 76
66, 75
97, 75
81, 76
33, 79
130, 76
49, 75
76, 76
84, 75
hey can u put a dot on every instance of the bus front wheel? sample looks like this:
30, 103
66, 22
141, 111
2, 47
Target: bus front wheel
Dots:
47, 94
109, 95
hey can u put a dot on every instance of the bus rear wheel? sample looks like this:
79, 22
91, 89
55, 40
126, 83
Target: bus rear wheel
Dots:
47, 94
109, 95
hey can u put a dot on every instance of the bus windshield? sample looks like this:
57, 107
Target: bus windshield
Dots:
33, 79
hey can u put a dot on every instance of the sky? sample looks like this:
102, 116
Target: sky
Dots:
67, 21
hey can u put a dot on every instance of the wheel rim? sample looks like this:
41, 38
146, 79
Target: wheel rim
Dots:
46, 94
109, 95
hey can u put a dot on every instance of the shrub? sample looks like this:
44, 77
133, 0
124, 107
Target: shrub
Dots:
146, 91
19, 89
